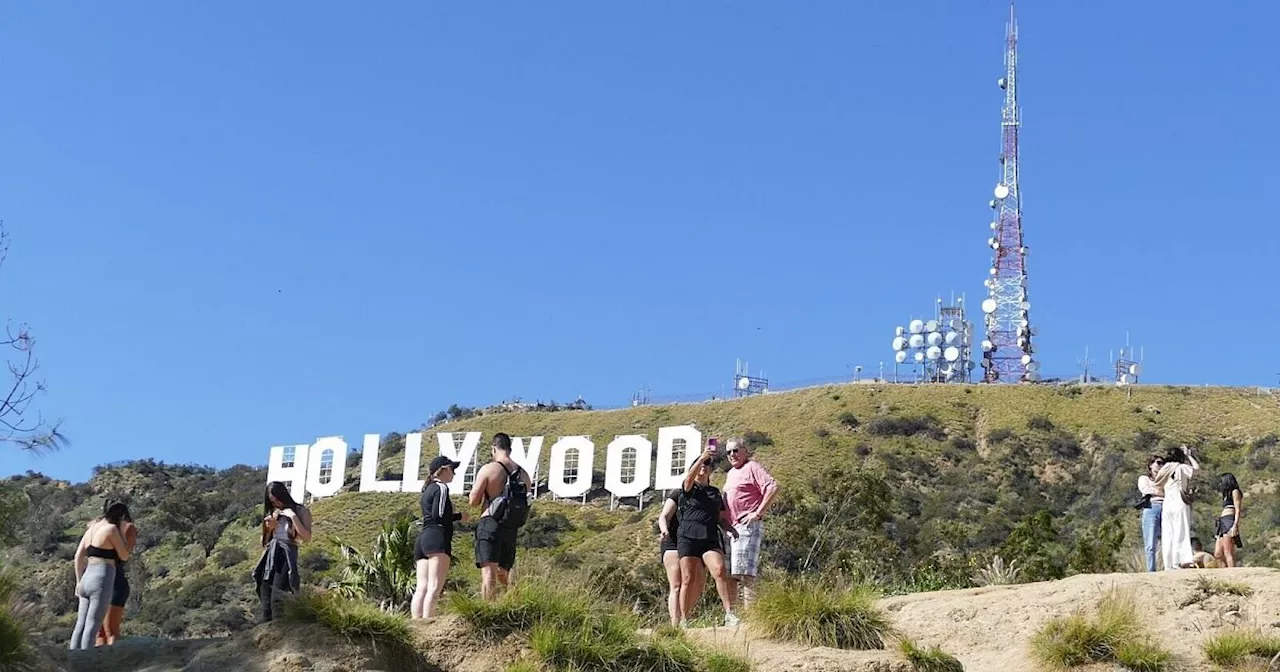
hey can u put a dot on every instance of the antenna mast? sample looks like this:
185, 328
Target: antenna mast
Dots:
1007, 352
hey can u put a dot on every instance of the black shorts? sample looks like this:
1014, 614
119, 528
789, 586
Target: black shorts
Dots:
432, 539
495, 543
695, 548
120, 590
1224, 526
668, 544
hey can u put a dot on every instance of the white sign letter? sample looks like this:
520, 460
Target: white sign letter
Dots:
369, 468
464, 453
528, 460
328, 460
616, 461
678, 447
410, 481
579, 467
288, 464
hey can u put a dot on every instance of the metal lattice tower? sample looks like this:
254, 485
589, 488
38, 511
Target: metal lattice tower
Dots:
1007, 355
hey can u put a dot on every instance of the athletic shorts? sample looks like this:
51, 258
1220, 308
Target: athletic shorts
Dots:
1224, 526
120, 593
432, 539
744, 552
495, 543
668, 544
695, 548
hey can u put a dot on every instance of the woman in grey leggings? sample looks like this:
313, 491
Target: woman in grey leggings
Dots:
100, 548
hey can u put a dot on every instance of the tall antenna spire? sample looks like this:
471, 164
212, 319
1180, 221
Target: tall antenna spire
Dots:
1008, 351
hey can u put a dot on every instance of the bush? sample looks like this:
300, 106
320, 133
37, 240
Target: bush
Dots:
543, 530
387, 574
15, 649
812, 613
1230, 648
1000, 435
1114, 635
315, 560
356, 621
849, 420
925, 425
755, 439
231, 556
932, 659
1040, 423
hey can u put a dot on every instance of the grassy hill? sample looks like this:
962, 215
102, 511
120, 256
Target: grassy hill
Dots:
911, 487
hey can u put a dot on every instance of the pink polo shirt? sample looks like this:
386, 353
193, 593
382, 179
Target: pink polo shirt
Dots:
745, 488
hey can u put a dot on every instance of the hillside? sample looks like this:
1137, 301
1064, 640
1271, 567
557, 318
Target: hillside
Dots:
911, 487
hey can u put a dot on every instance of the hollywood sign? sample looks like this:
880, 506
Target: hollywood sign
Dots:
319, 469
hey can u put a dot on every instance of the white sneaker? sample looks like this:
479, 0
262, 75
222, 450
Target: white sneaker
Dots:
730, 621
684, 625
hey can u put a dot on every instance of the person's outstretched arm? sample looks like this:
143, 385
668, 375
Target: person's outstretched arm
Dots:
693, 470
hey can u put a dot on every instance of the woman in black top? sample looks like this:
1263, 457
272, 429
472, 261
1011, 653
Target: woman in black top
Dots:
668, 531
1228, 527
698, 543
434, 549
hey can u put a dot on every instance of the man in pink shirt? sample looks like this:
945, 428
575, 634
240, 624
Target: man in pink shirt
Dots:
748, 491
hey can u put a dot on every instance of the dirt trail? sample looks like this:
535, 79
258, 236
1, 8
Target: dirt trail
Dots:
987, 629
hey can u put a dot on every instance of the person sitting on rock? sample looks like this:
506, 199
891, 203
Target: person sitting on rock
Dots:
1200, 559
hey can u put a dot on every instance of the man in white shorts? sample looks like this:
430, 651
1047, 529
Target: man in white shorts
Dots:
748, 491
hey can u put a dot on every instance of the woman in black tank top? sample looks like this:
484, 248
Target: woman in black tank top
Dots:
1227, 529
699, 543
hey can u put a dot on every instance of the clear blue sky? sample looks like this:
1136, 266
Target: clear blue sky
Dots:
243, 224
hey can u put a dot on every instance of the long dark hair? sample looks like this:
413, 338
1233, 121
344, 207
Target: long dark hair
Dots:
114, 511
1228, 484
1177, 454
281, 493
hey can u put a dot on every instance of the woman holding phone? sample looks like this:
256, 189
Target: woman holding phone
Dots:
699, 544
285, 523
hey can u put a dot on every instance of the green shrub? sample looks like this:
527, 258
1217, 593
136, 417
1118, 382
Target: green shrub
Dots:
849, 420
529, 604
15, 649
932, 659
925, 425
818, 614
1230, 648
352, 619
387, 574
1114, 634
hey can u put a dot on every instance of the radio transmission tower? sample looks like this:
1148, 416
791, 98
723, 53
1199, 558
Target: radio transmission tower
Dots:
1007, 352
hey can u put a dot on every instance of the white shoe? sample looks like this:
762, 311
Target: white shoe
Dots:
730, 621
684, 625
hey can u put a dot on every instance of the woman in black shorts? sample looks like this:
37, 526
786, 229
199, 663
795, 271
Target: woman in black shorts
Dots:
699, 543
1228, 528
434, 549
110, 630
668, 530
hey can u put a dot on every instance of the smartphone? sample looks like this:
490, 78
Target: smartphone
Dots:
713, 444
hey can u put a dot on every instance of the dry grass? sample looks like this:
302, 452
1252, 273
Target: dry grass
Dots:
1115, 634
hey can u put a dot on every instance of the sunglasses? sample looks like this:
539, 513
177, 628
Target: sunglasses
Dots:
733, 450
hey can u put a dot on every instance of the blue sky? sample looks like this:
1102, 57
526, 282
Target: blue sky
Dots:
237, 225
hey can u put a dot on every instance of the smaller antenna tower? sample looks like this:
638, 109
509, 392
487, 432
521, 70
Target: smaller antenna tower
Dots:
745, 385
936, 350
1127, 368
641, 397
1084, 365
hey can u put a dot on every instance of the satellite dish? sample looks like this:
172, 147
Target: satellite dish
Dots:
899, 331
931, 325
919, 356
1033, 377
1001, 191
743, 383
995, 245
1024, 322
951, 338
900, 356
991, 242
954, 323
1033, 366
899, 343
1026, 305
917, 340
947, 371
916, 326
1134, 369
934, 338
970, 365
1024, 249
986, 363
1124, 379
987, 346
992, 204
992, 271
1002, 84
986, 283
989, 306
933, 352
951, 354
995, 225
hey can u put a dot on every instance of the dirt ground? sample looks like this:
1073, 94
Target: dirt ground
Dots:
987, 629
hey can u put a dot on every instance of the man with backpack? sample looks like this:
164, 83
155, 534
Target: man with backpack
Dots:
503, 489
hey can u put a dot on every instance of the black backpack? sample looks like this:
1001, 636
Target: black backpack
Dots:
513, 510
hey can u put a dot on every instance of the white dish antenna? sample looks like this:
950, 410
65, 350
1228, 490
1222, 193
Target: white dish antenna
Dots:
898, 331
1002, 84
1002, 191
916, 326
995, 225
917, 340
931, 325
970, 365
899, 343
991, 242
743, 383
989, 305
934, 338
933, 352
992, 271
1135, 369
948, 372
992, 204
951, 354
919, 356
952, 338
987, 346
900, 356
954, 323
1026, 305
1032, 376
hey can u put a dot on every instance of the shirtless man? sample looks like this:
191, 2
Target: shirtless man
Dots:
495, 543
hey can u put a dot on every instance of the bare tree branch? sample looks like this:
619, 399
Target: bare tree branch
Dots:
18, 424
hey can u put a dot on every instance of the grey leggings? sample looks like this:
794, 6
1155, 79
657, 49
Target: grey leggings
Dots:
95, 596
